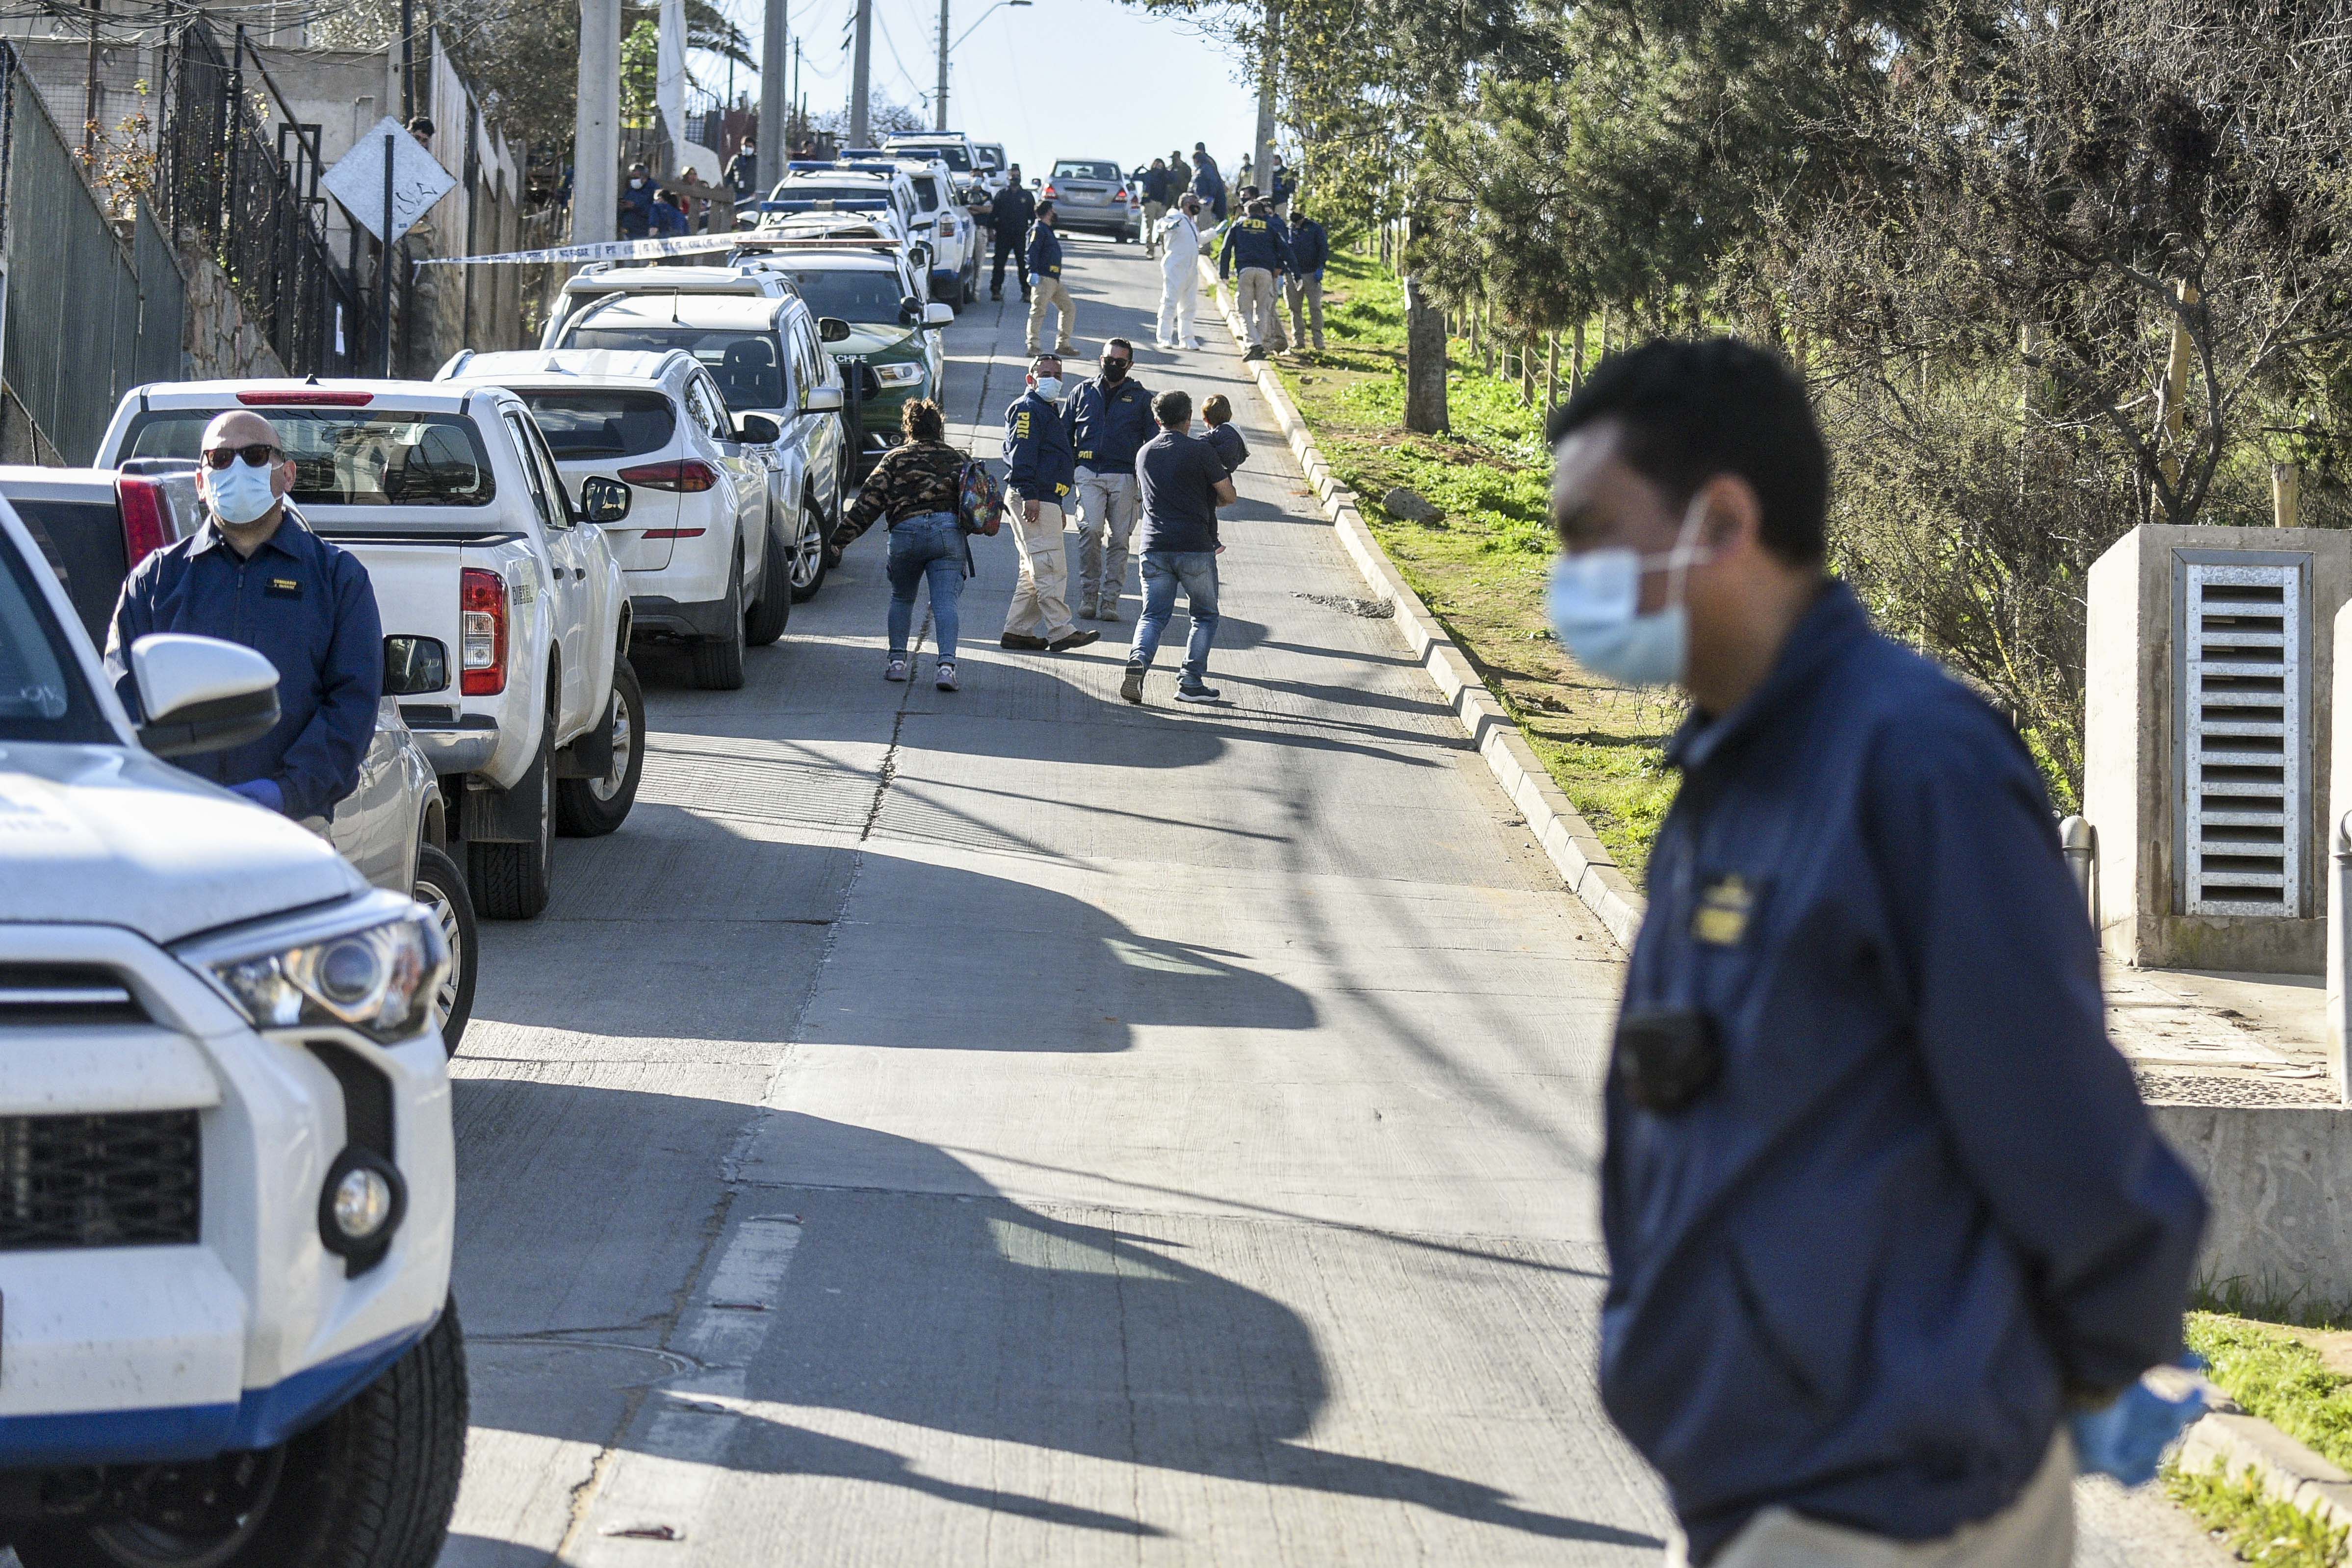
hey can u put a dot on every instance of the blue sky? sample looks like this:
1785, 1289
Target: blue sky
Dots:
1058, 78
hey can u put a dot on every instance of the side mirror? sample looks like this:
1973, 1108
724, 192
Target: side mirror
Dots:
831, 329
1036, 179
414, 666
938, 314
604, 500
757, 430
910, 310
200, 693
822, 400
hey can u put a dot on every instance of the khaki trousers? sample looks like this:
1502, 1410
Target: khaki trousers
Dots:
1054, 293
1152, 212
1040, 605
1108, 504
2037, 1531
1307, 291
1254, 298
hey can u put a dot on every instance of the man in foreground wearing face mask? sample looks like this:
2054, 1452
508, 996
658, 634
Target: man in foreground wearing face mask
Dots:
253, 574
1110, 419
1891, 1237
1039, 474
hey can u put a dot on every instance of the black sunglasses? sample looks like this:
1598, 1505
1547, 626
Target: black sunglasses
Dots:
255, 455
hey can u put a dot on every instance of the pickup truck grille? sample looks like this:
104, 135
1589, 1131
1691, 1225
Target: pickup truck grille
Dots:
49, 994
125, 1180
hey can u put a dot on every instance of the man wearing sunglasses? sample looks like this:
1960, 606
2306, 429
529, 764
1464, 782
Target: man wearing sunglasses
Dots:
253, 573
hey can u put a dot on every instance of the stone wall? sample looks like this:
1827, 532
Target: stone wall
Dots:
220, 339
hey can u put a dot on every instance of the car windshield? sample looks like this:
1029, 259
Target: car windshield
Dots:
348, 457
603, 424
952, 153
42, 694
1080, 169
862, 294
747, 365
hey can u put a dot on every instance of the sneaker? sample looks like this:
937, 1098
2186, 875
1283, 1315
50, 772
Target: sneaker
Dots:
1075, 640
1131, 687
1196, 343
897, 669
1022, 642
1108, 610
1087, 610
946, 681
1189, 690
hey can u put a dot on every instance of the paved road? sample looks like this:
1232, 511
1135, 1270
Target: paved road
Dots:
1012, 1127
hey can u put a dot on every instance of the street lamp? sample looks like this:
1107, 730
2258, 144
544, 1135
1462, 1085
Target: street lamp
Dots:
941, 100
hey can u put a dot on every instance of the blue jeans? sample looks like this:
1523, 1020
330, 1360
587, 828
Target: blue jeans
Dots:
932, 547
1163, 571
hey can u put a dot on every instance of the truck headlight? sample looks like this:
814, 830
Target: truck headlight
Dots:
374, 965
898, 375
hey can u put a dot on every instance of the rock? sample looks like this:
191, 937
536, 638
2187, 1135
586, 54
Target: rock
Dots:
1403, 503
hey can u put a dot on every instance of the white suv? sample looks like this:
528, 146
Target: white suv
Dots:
227, 1174
704, 552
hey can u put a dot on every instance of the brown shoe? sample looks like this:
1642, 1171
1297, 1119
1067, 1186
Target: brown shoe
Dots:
1022, 642
1075, 640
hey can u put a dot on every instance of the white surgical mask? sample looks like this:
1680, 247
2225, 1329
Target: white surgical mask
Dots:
748, 148
240, 492
636, 184
1595, 601
1049, 386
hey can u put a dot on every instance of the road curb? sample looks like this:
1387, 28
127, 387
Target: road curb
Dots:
2287, 1471
1583, 863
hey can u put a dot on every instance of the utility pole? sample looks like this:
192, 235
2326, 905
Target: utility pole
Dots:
1269, 52
89, 87
939, 99
596, 125
775, 104
407, 60
861, 76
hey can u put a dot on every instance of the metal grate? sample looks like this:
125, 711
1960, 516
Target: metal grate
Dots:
50, 994
127, 1180
2243, 730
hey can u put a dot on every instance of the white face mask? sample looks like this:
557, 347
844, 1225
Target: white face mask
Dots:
1048, 387
636, 184
1595, 601
239, 493
749, 150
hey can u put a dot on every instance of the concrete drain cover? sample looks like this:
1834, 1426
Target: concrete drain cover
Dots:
1369, 609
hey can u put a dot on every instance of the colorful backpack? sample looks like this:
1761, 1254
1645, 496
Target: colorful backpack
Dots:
980, 500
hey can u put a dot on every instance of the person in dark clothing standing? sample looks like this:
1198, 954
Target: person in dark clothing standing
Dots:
252, 573
917, 484
1207, 183
1110, 419
1040, 471
1046, 291
1184, 482
1311, 252
1891, 1237
1257, 246
742, 171
1010, 213
1158, 188
637, 202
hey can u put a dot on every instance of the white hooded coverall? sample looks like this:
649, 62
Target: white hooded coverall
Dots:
1179, 276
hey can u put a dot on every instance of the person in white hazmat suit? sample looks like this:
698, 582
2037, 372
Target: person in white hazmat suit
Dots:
1179, 273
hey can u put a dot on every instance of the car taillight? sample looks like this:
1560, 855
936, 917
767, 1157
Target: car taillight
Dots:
1120, 194
482, 632
672, 534
688, 476
1049, 193
145, 527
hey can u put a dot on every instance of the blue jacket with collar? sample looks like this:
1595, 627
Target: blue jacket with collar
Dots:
1254, 242
1038, 458
1922, 1201
1044, 252
1310, 249
1109, 424
302, 604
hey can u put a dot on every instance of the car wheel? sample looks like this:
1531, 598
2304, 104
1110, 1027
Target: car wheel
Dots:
779, 581
372, 1486
808, 561
511, 881
591, 807
718, 661
441, 888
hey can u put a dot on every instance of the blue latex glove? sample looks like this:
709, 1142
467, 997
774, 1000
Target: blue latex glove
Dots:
262, 792
2127, 1438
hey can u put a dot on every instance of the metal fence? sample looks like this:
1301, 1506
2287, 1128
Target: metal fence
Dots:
239, 178
88, 315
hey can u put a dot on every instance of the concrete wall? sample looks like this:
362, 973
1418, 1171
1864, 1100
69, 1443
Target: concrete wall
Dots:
2280, 1181
2133, 792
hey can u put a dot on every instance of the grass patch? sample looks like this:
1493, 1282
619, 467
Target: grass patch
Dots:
1481, 566
2282, 1376
2260, 1529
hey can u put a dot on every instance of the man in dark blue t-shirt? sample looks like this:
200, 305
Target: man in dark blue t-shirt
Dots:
1184, 482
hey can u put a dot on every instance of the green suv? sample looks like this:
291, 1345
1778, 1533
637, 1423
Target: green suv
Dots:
891, 330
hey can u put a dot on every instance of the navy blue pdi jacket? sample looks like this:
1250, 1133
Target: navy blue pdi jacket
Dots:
1921, 1203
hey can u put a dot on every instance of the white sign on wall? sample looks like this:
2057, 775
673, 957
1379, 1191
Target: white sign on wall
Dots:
417, 180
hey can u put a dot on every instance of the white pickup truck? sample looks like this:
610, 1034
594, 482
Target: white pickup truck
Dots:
227, 1180
451, 499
